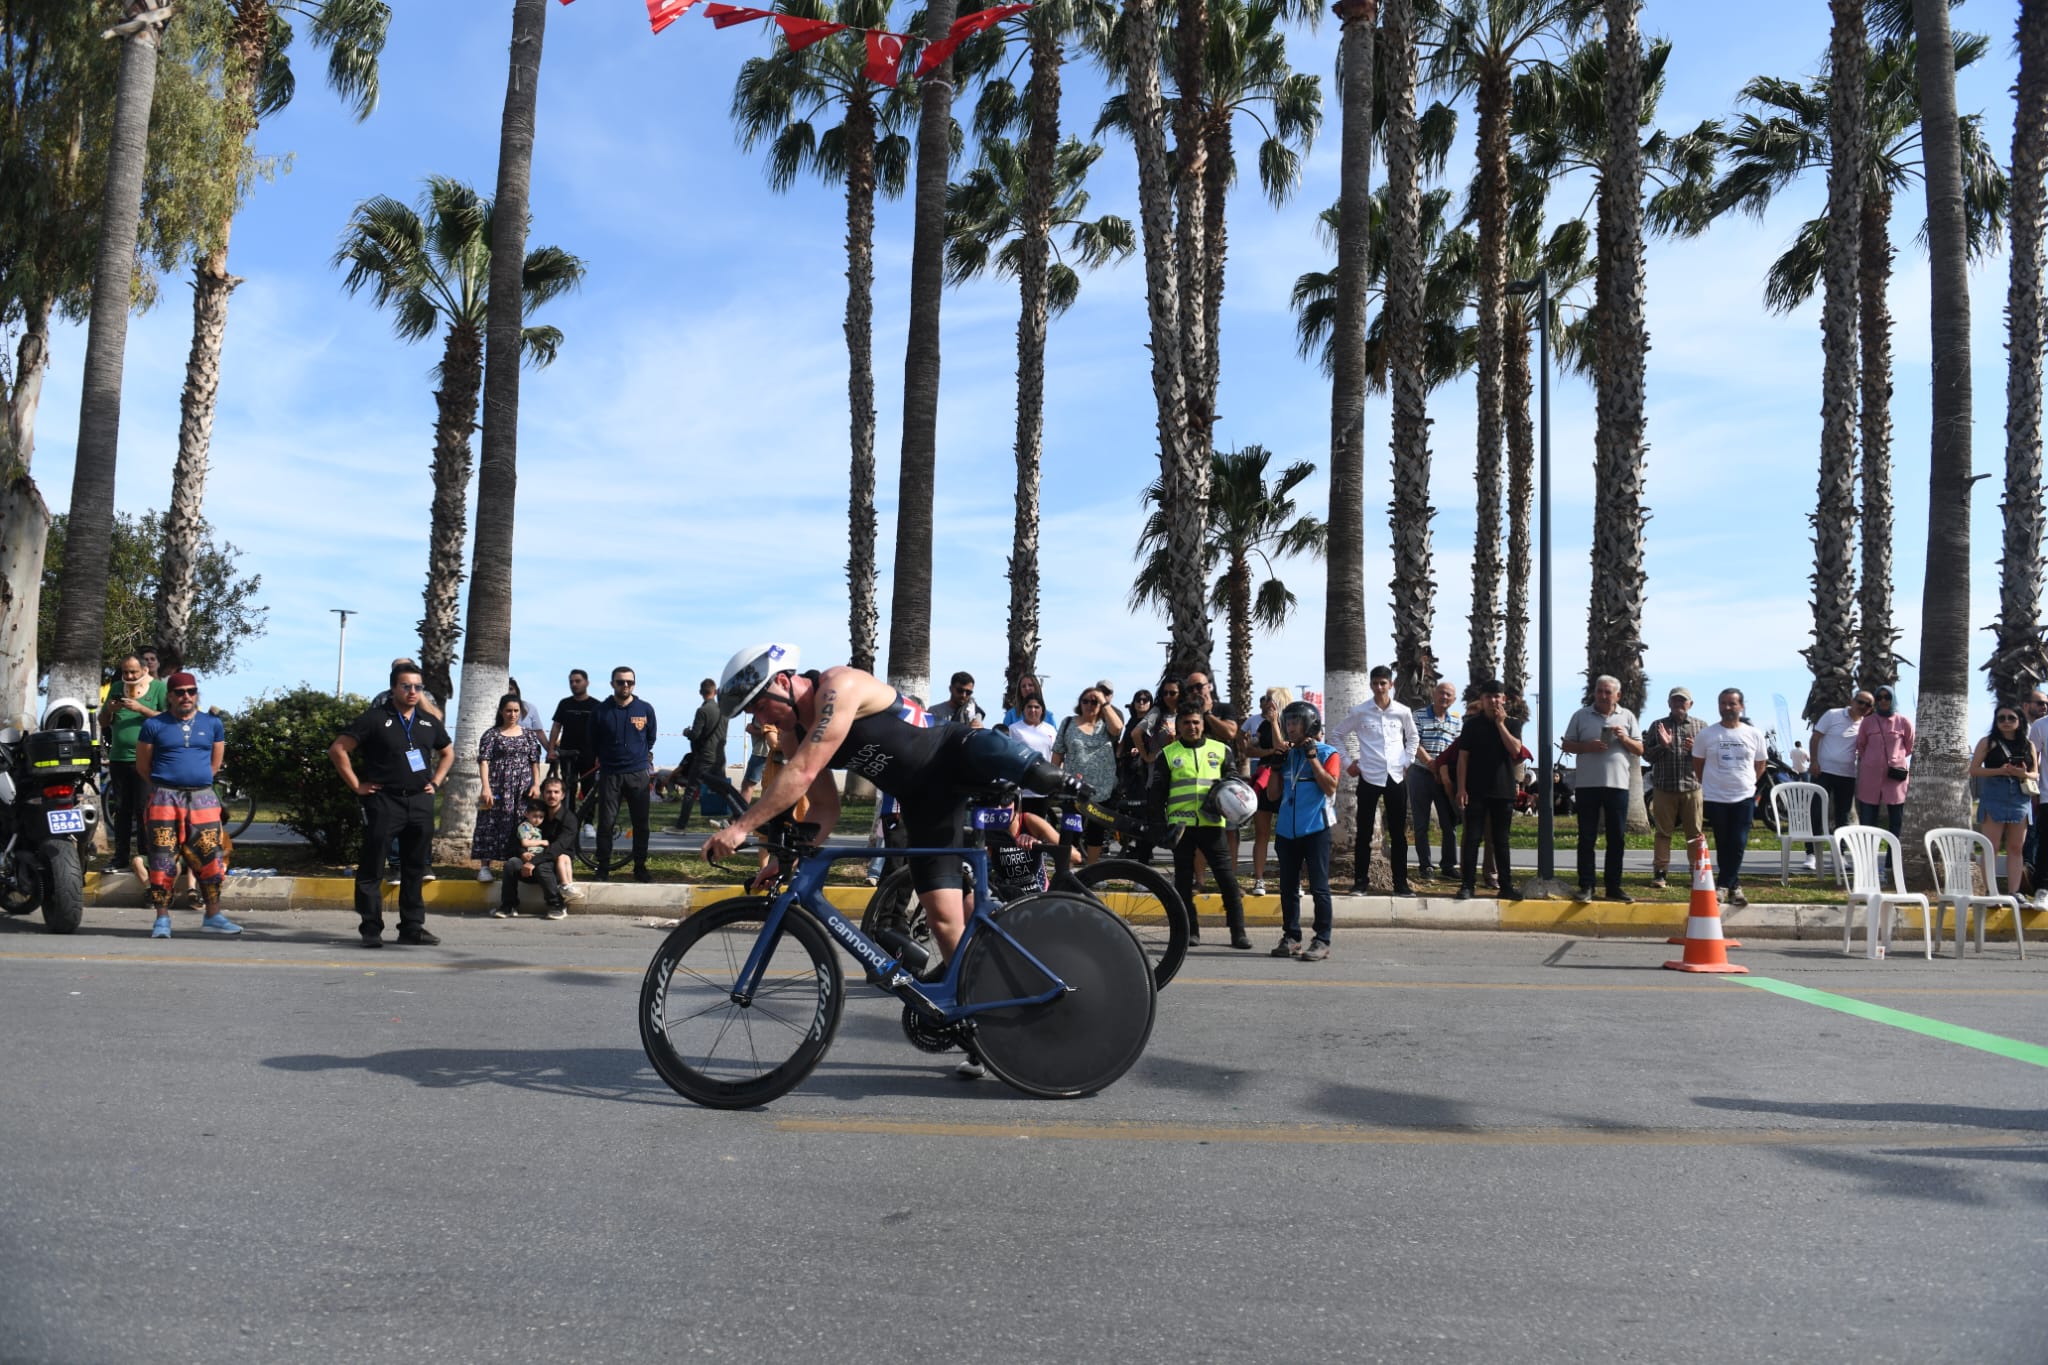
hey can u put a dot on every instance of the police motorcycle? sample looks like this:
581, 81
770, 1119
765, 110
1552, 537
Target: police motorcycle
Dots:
48, 808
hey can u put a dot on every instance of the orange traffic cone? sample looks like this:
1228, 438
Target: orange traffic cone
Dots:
1697, 853
1705, 949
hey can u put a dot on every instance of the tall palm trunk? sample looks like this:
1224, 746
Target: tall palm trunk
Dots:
910, 600
1238, 591
863, 617
82, 592
1344, 652
462, 358
1941, 727
1215, 248
1414, 586
487, 643
212, 283
1043, 94
1520, 429
1186, 604
1831, 656
1187, 485
2019, 662
24, 520
1614, 643
1877, 663
1496, 94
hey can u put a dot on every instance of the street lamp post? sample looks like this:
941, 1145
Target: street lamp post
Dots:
1546, 883
341, 650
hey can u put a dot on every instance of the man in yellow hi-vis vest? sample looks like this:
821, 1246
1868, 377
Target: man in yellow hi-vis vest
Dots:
1186, 771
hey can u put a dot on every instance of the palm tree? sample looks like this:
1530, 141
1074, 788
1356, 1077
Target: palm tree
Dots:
1409, 514
1184, 474
1769, 153
910, 599
2020, 662
257, 82
1249, 520
1567, 118
82, 592
1941, 726
1004, 213
432, 267
1478, 46
781, 101
487, 639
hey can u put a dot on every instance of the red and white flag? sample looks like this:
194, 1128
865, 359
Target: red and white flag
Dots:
801, 33
963, 29
725, 16
662, 13
885, 57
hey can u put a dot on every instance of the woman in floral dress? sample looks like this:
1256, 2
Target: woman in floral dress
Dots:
508, 766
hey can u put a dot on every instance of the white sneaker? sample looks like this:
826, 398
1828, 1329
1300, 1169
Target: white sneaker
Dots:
1259, 887
483, 874
1809, 865
573, 891
970, 1068
429, 877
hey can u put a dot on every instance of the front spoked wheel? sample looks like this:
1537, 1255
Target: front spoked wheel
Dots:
1082, 1040
1145, 901
716, 1050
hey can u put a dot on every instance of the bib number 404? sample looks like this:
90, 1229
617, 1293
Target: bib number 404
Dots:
66, 822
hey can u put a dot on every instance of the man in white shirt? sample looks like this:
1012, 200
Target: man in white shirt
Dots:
1729, 760
1833, 748
2037, 730
1606, 740
1385, 735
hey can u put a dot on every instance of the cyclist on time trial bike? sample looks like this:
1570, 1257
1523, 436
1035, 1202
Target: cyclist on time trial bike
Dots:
843, 718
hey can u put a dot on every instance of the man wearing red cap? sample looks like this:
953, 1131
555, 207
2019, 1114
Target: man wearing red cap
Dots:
177, 754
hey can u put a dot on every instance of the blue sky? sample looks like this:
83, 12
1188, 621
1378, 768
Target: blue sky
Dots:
683, 466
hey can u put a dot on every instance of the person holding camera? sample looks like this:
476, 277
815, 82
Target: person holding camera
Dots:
1606, 740
1306, 775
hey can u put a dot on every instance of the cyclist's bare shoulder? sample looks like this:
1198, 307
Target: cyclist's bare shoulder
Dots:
854, 693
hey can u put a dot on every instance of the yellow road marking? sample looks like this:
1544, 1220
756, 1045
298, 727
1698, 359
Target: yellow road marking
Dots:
1360, 1135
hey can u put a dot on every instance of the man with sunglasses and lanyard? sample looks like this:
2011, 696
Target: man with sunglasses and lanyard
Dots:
405, 753
177, 754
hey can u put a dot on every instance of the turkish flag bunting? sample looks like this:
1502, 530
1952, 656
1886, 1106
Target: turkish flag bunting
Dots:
725, 16
662, 13
803, 32
885, 57
962, 30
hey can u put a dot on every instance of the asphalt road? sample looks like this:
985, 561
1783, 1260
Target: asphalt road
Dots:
1433, 1147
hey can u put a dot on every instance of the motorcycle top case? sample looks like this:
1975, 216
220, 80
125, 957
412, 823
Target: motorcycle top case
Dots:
54, 753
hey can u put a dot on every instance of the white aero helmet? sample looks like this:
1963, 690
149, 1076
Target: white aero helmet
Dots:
748, 671
1235, 800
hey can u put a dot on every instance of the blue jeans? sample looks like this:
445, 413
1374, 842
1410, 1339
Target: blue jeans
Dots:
1893, 817
1601, 808
1730, 821
1311, 852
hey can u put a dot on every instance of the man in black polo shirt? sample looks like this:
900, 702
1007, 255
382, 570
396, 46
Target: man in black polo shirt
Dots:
622, 734
405, 753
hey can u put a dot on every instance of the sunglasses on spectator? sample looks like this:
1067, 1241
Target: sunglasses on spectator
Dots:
1091, 701
184, 691
409, 687
2012, 716
622, 682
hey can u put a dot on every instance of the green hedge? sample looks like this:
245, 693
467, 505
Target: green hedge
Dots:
278, 747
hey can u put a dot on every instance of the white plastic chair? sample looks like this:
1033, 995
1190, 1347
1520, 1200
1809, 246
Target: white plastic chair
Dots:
1956, 854
1792, 806
1864, 848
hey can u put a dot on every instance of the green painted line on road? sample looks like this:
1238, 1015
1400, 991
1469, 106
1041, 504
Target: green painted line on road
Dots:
1913, 1023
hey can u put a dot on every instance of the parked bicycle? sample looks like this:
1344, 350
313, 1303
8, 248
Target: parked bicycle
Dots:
742, 1000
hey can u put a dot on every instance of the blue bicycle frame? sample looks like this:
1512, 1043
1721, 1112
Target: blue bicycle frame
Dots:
939, 999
